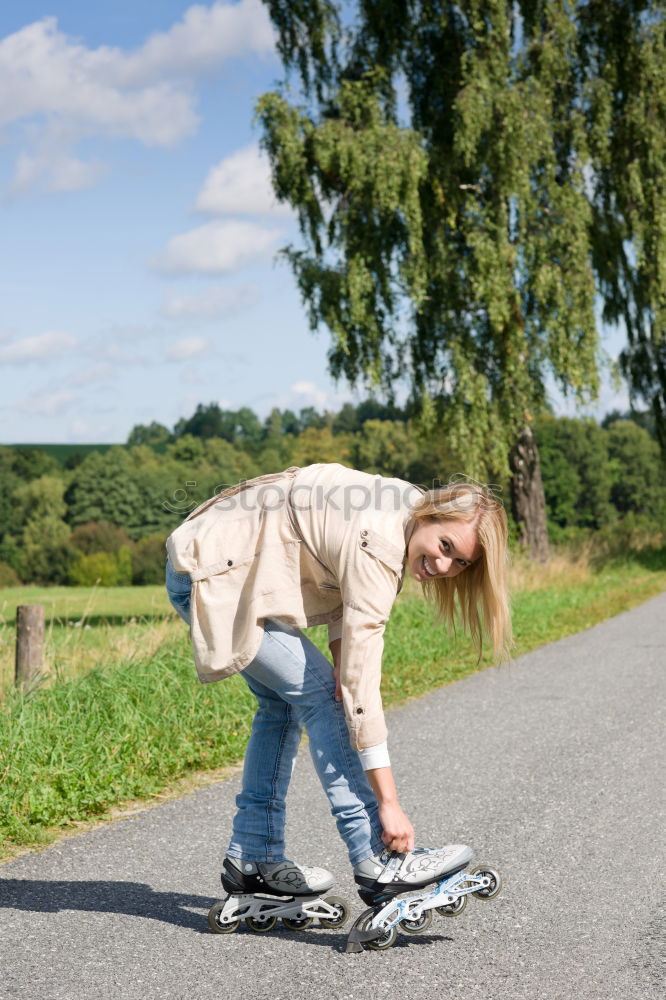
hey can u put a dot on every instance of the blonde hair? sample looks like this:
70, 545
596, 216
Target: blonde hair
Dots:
481, 590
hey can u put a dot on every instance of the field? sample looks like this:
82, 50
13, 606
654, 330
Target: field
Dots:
119, 715
87, 626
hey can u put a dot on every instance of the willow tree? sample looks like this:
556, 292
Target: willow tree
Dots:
623, 59
438, 157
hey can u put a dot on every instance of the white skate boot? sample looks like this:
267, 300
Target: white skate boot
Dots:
259, 893
388, 875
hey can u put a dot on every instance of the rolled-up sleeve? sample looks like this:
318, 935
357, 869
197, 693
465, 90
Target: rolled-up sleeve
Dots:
374, 757
335, 631
369, 589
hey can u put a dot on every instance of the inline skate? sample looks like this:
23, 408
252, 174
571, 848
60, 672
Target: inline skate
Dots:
390, 875
259, 893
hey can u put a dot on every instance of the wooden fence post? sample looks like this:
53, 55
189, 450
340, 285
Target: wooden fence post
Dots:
29, 643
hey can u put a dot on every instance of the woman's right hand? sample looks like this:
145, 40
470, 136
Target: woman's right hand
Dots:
398, 832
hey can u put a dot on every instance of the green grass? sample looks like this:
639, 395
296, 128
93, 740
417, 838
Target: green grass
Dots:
73, 603
86, 626
69, 752
128, 728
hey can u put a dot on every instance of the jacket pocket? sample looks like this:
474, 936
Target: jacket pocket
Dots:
376, 545
216, 569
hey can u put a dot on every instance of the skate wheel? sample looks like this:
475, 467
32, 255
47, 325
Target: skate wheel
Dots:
294, 924
495, 887
259, 925
214, 921
387, 940
417, 926
453, 909
343, 912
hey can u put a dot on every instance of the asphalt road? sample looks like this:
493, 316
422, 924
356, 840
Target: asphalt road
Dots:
551, 768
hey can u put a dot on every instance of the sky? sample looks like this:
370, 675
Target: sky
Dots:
138, 230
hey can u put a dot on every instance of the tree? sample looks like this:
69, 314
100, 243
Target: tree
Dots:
448, 235
643, 418
346, 420
41, 497
237, 426
105, 487
228, 464
205, 422
623, 54
273, 427
31, 463
319, 445
352, 418
45, 552
109, 569
387, 447
99, 536
10, 516
577, 473
148, 557
150, 434
638, 478
309, 417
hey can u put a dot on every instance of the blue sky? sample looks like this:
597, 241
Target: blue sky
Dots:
138, 274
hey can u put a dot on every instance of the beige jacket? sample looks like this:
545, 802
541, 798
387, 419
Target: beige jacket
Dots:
319, 545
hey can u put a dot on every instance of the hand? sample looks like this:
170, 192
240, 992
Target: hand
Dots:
398, 832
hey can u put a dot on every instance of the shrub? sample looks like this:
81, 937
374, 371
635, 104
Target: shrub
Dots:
8, 576
12, 554
633, 533
148, 559
106, 568
46, 553
99, 536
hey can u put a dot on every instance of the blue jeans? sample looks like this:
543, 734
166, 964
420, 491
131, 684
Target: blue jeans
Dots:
295, 690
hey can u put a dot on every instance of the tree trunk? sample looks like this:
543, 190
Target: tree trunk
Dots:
528, 503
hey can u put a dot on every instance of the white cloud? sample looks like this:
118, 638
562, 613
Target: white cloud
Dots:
67, 91
304, 393
216, 247
310, 394
209, 304
201, 41
47, 404
241, 185
188, 347
118, 345
43, 347
88, 376
59, 172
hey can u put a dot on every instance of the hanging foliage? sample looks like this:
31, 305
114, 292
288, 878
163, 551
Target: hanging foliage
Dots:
468, 177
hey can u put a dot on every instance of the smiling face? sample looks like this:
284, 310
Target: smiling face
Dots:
441, 548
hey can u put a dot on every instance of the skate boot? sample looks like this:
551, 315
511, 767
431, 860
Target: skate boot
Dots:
260, 892
390, 875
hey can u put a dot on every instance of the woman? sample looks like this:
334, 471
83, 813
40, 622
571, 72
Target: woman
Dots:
329, 545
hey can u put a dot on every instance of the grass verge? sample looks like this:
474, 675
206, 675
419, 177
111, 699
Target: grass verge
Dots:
135, 729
